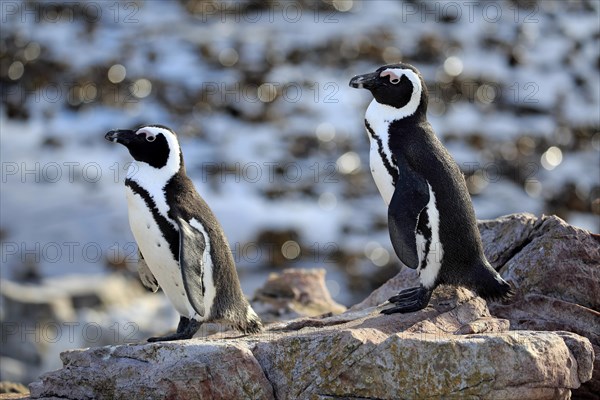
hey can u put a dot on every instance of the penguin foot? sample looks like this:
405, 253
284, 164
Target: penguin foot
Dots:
409, 300
186, 329
168, 338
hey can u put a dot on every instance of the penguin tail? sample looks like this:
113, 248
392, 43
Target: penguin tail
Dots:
251, 324
489, 285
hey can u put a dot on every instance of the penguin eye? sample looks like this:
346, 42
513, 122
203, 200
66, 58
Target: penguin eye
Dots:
395, 81
150, 138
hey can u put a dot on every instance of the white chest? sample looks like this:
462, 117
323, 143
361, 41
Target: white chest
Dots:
157, 253
380, 158
383, 180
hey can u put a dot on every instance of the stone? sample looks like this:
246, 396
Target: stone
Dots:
185, 369
364, 363
539, 345
41, 320
13, 387
520, 246
553, 259
358, 354
555, 268
404, 279
294, 293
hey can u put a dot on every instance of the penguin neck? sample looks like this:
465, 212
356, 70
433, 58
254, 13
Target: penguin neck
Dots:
154, 179
379, 113
380, 116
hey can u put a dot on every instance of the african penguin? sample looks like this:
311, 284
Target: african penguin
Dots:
182, 247
431, 219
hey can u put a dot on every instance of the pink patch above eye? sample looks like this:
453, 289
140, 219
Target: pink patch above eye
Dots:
145, 133
393, 74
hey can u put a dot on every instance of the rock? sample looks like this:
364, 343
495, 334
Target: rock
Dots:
557, 260
454, 348
555, 269
187, 369
358, 354
14, 396
41, 320
13, 387
404, 279
13, 390
364, 363
514, 230
450, 309
294, 293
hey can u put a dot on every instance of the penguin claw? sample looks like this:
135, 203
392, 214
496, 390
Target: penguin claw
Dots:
168, 338
411, 307
409, 300
404, 294
186, 329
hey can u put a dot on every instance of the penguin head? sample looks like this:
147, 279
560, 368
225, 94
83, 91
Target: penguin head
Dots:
396, 85
155, 145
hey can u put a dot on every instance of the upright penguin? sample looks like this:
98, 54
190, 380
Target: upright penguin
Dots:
182, 247
431, 219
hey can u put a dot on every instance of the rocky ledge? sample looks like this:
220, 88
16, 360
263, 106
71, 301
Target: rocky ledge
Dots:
538, 346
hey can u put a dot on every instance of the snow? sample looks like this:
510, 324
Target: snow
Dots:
178, 53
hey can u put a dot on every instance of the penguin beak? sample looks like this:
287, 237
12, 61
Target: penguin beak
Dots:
366, 81
122, 136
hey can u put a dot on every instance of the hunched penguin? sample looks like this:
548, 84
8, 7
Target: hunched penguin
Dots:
431, 220
182, 246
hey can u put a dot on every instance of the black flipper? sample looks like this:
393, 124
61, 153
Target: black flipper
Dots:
146, 276
191, 262
186, 329
410, 198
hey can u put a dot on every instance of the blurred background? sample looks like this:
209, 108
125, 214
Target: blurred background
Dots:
272, 136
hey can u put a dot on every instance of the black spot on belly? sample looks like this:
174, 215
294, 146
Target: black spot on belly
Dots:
166, 228
424, 229
392, 170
